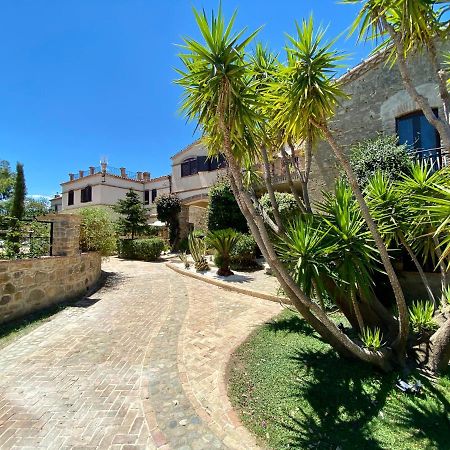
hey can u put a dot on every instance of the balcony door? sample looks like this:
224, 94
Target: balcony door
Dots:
420, 136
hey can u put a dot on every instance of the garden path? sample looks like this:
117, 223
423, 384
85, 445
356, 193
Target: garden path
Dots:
139, 364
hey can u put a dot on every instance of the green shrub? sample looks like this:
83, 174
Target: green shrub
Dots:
168, 207
97, 231
286, 205
372, 339
380, 154
223, 242
141, 249
243, 255
421, 316
223, 210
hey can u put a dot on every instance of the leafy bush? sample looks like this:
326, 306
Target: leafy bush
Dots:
97, 231
380, 154
372, 339
421, 316
133, 215
286, 205
243, 255
223, 210
141, 249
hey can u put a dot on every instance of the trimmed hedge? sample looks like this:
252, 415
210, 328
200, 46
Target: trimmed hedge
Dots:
141, 249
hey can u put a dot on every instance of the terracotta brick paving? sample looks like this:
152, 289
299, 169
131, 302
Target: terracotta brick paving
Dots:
140, 364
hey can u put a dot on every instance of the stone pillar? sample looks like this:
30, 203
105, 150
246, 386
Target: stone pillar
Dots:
139, 176
66, 233
146, 176
183, 218
123, 172
71, 176
91, 170
81, 173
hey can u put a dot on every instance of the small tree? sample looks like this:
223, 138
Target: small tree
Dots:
18, 203
97, 231
223, 210
168, 206
134, 215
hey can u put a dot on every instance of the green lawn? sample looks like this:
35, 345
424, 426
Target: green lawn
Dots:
293, 391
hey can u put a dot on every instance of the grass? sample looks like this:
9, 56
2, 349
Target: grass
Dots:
293, 391
13, 330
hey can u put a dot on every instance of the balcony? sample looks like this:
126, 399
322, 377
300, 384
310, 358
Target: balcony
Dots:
436, 157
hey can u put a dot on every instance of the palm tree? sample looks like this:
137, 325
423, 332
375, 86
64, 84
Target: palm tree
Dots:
313, 102
224, 242
394, 218
220, 96
405, 27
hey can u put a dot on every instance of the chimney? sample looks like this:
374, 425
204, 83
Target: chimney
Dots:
71, 176
81, 173
103, 165
146, 176
139, 175
123, 172
91, 170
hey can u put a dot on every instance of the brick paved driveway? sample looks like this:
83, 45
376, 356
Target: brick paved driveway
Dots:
138, 365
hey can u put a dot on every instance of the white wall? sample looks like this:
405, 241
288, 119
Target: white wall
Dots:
192, 185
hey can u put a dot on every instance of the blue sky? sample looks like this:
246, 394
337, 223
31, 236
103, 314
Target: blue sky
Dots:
85, 78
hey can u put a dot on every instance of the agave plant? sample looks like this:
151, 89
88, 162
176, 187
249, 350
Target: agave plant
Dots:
184, 259
372, 339
197, 247
421, 316
223, 242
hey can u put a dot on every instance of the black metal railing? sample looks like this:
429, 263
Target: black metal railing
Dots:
436, 157
20, 239
109, 170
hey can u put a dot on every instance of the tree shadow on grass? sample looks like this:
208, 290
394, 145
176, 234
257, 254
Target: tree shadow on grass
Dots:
291, 324
427, 416
341, 405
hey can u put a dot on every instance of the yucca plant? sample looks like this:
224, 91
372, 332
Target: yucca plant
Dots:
421, 316
372, 339
223, 242
197, 247
184, 259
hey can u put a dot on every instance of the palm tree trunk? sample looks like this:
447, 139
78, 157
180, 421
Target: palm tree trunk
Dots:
270, 190
294, 192
318, 295
356, 309
441, 76
442, 266
400, 342
440, 349
441, 126
423, 277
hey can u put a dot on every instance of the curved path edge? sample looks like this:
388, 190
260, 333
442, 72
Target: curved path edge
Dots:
228, 286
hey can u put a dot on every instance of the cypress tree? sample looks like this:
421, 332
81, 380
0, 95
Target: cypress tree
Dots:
18, 202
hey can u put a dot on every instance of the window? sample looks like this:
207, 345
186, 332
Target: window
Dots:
189, 167
70, 198
154, 194
86, 194
217, 162
146, 197
415, 130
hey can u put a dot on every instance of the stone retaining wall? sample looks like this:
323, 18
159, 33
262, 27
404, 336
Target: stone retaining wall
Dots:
28, 285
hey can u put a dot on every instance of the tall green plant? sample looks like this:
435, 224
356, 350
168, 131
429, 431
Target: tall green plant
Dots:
133, 216
168, 207
223, 242
18, 201
97, 231
197, 247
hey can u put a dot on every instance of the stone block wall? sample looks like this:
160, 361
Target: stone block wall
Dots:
28, 285
377, 97
198, 217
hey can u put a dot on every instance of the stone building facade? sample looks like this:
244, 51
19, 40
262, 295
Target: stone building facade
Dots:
377, 100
